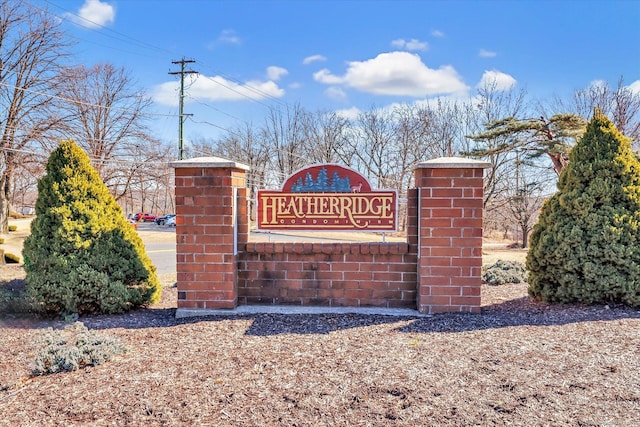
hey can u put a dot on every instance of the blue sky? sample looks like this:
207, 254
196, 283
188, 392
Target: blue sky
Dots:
349, 55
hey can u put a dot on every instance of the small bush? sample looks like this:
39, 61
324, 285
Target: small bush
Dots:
1, 240
13, 300
10, 258
13, 227
502, 272
74, 348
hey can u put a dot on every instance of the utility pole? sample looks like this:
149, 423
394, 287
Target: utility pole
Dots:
181, 115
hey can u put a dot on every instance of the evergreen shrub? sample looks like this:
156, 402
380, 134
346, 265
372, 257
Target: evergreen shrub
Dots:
502, 272
586, 245
82, 255
13, 300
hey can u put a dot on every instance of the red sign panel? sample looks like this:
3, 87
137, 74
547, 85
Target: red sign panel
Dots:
327, 197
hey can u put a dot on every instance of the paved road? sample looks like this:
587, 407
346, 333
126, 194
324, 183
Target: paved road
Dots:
163, 256
160, 241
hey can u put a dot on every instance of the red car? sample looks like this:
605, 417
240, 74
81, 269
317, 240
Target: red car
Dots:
144, 217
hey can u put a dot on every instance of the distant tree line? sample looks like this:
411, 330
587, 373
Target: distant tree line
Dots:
525, 142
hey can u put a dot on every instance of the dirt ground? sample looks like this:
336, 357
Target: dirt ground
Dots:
519, 363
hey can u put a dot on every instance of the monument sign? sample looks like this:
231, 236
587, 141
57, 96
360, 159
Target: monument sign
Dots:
327, 197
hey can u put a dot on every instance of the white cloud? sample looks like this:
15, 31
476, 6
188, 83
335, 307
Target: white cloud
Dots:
396, 73
602, 85
496, 78
487, 54
166, 93
336, 94
349, 113
226, 37
314, 58
274, 73
437, 33
635, 87
216, 88
229, 37
413, 44
325, 76
598, 83
93, 14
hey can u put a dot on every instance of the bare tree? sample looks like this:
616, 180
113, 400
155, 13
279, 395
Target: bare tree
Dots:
526, 196
422, 133
245, 146
409, 145
140, 174
444, 126
326, 137
373, 144
493, 104
106, 115
25, 182
31, 49
283, 134
620, 104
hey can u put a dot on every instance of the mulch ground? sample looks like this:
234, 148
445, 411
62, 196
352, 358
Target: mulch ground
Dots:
518, 363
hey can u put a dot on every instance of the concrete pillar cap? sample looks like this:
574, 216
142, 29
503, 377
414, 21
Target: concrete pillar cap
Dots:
453, 163
208, 162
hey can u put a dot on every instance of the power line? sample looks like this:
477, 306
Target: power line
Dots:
218, 110
237, 91
204, 122
108, 32
86, 104
92, 159
124, 37
115, 34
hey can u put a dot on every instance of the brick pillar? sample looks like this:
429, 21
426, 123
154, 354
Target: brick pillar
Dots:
450, 193
207, 224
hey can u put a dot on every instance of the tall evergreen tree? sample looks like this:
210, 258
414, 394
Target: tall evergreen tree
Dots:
82, 255
586, 245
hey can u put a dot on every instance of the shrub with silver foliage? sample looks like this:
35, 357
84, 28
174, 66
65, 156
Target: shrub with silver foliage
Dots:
73, 348
502, 272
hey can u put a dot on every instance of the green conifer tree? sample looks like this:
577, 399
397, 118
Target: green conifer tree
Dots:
82, 255
586, 245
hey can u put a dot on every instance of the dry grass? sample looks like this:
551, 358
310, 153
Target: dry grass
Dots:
518, 363
492, 254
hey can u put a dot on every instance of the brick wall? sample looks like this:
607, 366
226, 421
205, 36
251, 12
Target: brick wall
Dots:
207, 218
438, 269
450, 200
328, 274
